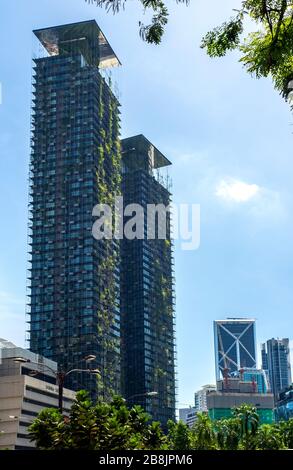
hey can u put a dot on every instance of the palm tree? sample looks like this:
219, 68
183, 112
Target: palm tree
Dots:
269, 437
178, 436
203, 436
228, 433
249, 423
286, 430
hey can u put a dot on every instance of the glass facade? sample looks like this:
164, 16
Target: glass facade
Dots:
257, 377
284, 409
264, 357
277, 358
147, 295
235, 345
75, 164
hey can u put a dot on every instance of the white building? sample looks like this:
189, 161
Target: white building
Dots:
200, 398
22, 396
188, 416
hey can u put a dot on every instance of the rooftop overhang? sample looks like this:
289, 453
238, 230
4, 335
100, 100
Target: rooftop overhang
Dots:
160, 160
140, 143
85, 37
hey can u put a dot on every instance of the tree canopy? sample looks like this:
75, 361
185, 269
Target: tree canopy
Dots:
152, 32
100, 426
114, 426
267, 51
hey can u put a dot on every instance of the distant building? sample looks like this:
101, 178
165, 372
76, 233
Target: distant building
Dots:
200, 398
188, 416
23, 396
233, 392
284, 408
276, 357
264, 362
264, 357
235, 345
257, 377
183, 412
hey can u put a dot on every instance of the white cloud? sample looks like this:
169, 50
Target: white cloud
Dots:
236, 190
260, 203
198, 180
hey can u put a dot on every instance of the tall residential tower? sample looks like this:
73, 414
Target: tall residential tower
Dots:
75, 164
147, 297
109, 298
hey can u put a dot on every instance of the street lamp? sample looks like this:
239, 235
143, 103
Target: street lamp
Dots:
20, 360
90, 357
147, 394
60, 375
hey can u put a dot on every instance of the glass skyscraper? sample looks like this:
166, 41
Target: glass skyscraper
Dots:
235, 345
75, 164
276, 360
147, 299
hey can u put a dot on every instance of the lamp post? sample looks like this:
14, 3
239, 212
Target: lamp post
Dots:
60, 374
147, 394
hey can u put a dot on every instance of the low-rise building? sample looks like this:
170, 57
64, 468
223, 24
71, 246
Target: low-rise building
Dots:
232, 393
23, 396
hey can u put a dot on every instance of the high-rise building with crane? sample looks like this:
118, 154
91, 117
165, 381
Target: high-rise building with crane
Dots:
235, 345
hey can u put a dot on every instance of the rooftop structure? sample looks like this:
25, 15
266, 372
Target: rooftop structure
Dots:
85, 38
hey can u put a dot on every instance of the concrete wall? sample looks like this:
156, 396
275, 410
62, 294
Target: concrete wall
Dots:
18, 395
11, 395
230, 400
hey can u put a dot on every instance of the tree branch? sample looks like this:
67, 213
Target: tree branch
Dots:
268, 17
280, 20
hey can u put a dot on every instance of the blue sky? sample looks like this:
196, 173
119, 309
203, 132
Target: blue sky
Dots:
230, 140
